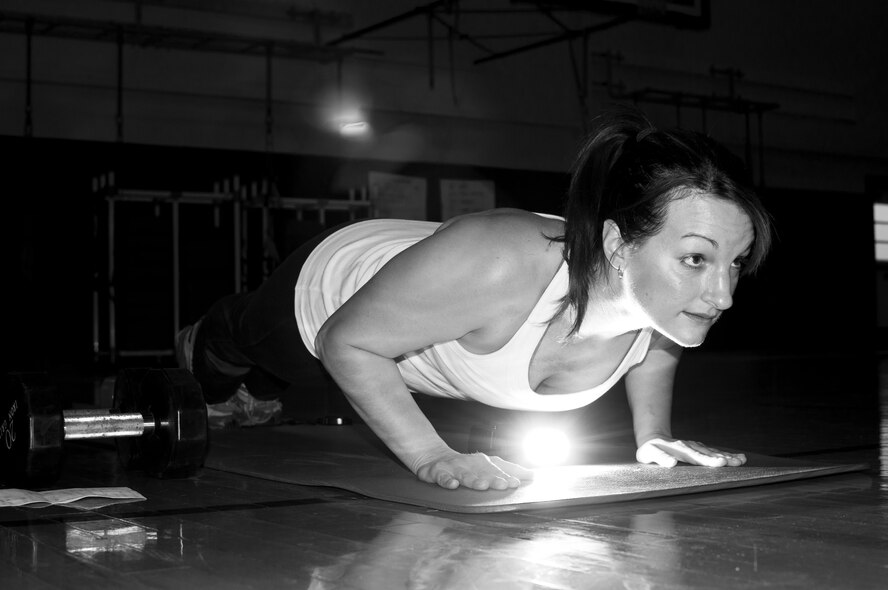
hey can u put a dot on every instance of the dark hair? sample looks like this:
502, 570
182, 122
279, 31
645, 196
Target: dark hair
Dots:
628, 171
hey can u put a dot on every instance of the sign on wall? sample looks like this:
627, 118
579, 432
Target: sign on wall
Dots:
396, 196
459, 197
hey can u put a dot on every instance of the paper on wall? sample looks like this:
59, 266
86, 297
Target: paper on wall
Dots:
459, 197
398, 197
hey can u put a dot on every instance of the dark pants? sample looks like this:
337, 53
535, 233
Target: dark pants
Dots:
256, 331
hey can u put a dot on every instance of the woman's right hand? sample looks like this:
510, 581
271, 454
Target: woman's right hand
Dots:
476, 471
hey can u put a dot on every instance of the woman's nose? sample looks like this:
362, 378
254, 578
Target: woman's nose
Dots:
719, 291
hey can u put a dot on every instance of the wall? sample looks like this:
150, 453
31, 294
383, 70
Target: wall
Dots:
821, 64
192, 117
55, 230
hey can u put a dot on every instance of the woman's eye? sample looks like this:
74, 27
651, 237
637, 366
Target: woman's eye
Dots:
693, 260
739, 263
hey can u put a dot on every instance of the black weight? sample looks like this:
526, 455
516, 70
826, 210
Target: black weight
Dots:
177, 445
31, 430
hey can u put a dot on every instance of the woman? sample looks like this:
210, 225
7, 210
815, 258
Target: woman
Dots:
511, 308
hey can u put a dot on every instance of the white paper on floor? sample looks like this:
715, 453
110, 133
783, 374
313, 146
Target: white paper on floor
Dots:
17, 497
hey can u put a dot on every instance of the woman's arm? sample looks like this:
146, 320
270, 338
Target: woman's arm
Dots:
374, 387
467, 282
649, 391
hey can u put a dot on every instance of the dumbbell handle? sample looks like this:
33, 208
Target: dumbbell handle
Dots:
104, 423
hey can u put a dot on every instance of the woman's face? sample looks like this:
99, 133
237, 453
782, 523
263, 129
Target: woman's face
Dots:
684, 277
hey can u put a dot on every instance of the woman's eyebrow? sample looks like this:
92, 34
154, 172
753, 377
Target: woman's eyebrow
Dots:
708, 239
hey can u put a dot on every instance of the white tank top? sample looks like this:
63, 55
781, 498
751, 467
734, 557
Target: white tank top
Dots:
342, 263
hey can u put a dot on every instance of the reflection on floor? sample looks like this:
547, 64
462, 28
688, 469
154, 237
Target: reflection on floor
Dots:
225, 531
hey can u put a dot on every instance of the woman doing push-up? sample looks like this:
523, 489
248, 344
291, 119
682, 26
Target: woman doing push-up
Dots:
510, 308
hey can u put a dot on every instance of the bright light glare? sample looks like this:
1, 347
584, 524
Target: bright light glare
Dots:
354, 128
546, 446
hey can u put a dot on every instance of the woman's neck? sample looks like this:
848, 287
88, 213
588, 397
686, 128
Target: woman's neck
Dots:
610, 312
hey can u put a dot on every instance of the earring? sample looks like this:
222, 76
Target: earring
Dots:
619, 269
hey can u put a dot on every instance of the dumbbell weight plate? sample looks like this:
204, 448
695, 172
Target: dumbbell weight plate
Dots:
177, 446
31, 430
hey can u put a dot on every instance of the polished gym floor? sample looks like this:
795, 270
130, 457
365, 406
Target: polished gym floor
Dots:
220, 530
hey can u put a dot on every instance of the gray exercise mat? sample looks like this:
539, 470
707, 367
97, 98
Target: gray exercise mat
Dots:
352, 458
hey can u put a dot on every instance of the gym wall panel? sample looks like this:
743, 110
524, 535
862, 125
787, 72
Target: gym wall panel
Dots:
822, 65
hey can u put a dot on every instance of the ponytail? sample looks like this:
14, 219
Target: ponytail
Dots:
586, 208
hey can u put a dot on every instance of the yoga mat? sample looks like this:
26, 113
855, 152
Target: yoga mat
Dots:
352, 458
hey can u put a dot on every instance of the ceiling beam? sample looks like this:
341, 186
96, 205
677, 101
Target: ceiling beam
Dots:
170, 37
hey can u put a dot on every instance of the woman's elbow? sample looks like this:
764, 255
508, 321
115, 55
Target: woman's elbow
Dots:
326, 341
336, 343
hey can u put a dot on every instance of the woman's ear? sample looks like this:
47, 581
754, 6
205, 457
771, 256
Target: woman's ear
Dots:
612, 241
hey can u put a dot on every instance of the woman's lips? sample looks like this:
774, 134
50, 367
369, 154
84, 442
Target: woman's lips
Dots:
702, 317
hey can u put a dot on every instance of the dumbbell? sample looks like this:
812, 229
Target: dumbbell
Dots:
158, 420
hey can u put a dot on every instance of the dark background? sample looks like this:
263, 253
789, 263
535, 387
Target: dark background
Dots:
815, 293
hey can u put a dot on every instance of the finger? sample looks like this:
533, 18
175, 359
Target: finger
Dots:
472, 475
490, 481
736, 459
697, 454
474, 482
502, 483
513, 472
705, 460
438, 475
722, 457
732, 459
649, 453
486, 476
446, 480
428, 474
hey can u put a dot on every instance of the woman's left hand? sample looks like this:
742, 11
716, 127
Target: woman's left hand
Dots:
667, 452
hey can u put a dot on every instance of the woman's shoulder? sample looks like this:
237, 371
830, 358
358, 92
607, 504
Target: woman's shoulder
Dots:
504, 215
509, 227
515, 242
